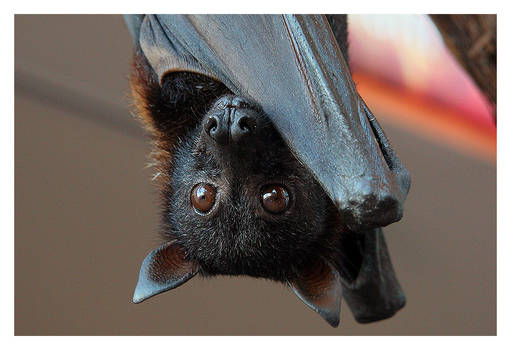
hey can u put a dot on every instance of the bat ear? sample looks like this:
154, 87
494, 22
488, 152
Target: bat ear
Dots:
319, 287
163, 269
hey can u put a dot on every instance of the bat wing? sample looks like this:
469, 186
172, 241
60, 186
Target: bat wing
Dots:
293, 68
375, 294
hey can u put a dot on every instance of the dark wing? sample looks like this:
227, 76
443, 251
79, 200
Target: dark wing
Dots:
293, 68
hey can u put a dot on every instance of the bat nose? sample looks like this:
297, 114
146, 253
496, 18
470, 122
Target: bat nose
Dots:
231, 119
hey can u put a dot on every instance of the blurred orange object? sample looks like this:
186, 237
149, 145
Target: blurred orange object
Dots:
407, 76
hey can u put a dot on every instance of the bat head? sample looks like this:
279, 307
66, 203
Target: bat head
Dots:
235, 199
239, 197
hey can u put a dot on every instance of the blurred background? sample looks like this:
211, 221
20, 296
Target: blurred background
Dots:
86, 213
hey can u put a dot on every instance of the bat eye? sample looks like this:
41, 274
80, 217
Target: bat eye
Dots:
203, 197
275, 198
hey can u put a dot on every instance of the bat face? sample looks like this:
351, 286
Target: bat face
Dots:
239, 197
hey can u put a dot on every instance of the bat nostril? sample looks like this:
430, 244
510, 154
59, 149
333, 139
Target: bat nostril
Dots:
214, 128
244, 125
211, 125
247, 124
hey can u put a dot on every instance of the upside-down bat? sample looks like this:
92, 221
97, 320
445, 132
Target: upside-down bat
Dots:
269, 163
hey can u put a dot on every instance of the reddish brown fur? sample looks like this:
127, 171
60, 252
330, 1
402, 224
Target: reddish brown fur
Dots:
143, 85
169, 109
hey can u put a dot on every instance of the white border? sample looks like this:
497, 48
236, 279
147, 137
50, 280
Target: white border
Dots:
261, 6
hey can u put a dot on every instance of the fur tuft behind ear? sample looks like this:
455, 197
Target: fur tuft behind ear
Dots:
145, 90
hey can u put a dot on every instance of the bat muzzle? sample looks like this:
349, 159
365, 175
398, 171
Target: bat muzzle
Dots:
231, 120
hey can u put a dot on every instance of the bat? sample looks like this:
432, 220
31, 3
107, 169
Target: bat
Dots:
268, 162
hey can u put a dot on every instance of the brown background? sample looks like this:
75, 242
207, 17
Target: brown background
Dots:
86, 214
